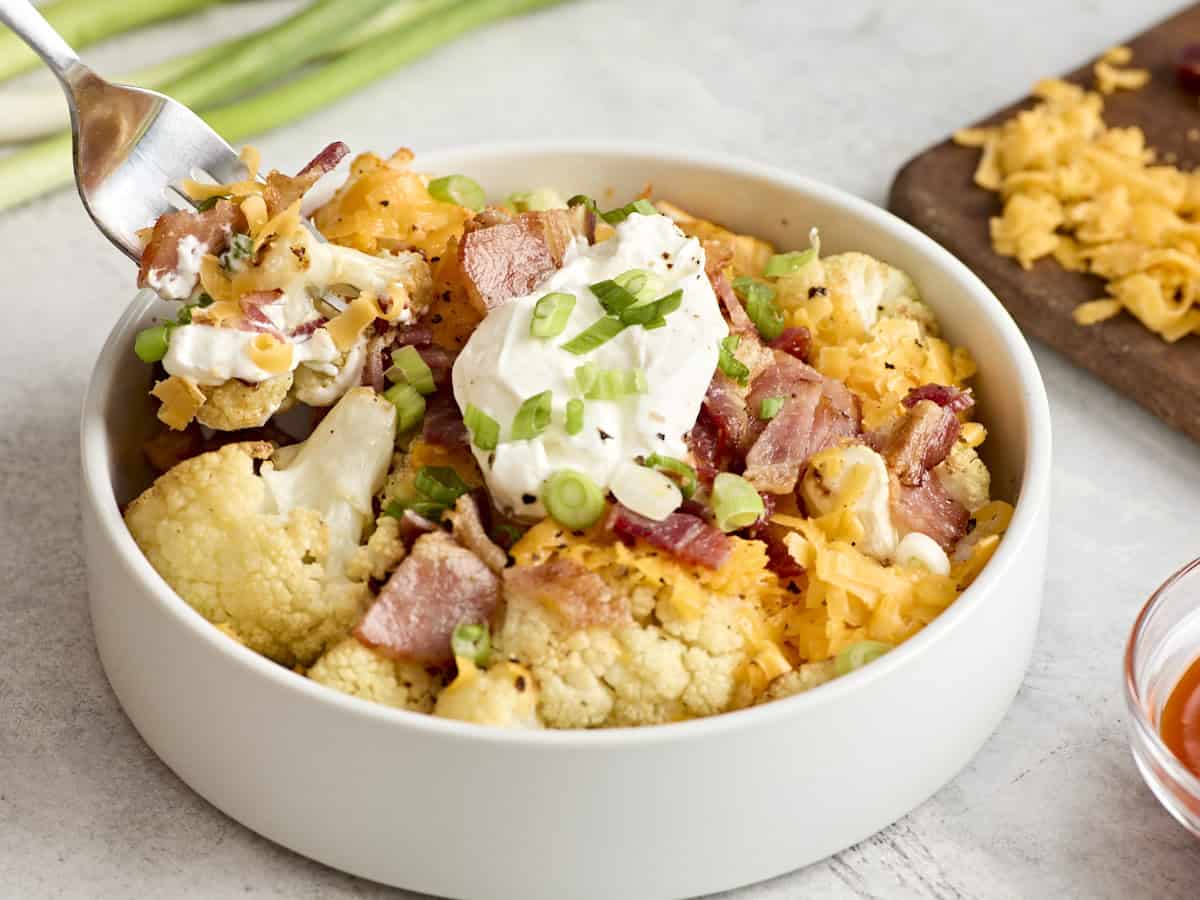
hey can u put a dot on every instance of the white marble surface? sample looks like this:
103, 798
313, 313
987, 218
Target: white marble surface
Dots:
1052, 807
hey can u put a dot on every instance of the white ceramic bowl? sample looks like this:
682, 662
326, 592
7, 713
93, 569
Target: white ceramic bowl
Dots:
461, 810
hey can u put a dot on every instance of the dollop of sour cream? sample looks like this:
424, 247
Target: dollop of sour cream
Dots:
211, 355
503, 364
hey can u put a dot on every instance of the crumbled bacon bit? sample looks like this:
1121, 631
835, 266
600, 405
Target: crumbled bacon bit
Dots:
688, 538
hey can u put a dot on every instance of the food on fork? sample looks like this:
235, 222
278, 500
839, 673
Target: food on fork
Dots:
557, 466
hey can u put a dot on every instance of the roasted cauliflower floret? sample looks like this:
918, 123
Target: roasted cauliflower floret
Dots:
382, 552
314, 388
503, 695
352, 668
265, 555
630, 674
855, 479
875, 289
238, 404
801, 679
965, 477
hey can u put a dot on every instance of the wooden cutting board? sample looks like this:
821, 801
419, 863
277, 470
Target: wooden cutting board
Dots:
935, 192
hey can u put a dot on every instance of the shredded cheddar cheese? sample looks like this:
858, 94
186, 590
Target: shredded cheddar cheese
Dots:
346, 327
254, 208
270, 354
215, 280
181, 399
1095, 199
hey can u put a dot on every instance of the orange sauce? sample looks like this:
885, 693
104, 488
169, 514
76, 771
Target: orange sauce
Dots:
1180, 723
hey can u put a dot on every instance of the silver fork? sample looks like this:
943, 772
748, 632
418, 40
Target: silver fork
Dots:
133, 147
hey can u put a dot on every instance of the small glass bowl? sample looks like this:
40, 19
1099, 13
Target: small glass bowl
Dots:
1164, 642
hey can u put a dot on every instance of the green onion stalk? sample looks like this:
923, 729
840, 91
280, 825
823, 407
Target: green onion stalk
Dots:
409, 33
86, 22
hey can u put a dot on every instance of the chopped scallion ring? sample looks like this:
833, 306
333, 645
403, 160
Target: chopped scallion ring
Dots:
440, 484
532, 417
621, 213
612, 296
582, 200
410, 405
684, 475
426, 509
471, 641
856, 655
535, 201
599, 332
407, 365
635, 382
652, 312
574, 416
151, 344
759, 299
769, 408
730, 364
585, 377
787, 263
458, 189
550, 314
573, 499
485, 431
642, 283
735, 502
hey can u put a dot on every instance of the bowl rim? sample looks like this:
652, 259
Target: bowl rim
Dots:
1141, 722
1035, 479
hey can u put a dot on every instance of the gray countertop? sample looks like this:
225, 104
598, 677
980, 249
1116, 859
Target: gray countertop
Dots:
845, 92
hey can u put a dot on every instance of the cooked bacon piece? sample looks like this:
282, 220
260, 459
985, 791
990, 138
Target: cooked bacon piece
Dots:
928, 509
920, 440
817, 412
688, 538
469, 531
284, 190
374, 364
416, 335
796, 342
440, 362
945, 396
581, 597
443, 421
725, 403
711, 451
211, 228
503, 257
439, 585
307, 328
253, 317
739, 321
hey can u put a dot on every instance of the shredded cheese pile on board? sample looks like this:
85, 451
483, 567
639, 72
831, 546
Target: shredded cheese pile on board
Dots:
1095, 199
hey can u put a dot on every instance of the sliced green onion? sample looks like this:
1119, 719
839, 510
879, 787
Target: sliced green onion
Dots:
684, 475
471, 641
613, 384
599, 332
241, 246
635, 382
585, 377
730, 364
574, 416
655, 323
426, 509
535, 201
856, 655
485, 431
209, 202
769, 408
621, 213
642, 283
506, 534
582, 200
407, 365
735, 502
440, 484
787, 263
653, 312
458, 189
410, 405
532, 417
550, 314
759, 300
573, 499
204, 301
612, 296
151, 344
184, 317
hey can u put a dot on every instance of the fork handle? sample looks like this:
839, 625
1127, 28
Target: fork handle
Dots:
30, 26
